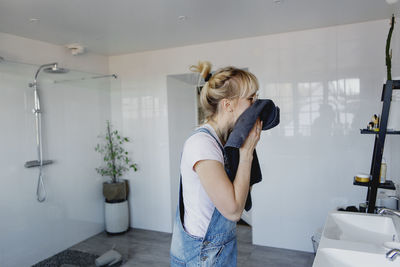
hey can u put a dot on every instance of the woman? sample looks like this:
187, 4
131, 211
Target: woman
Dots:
209, 203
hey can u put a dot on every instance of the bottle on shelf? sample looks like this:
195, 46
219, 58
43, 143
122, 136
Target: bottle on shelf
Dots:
394, 113
382, 177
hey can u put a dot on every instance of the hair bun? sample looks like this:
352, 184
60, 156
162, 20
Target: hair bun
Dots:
203, 67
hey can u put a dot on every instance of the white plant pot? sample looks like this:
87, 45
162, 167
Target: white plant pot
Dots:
116, 217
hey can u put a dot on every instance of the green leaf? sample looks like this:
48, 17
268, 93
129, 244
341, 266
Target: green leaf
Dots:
115, 157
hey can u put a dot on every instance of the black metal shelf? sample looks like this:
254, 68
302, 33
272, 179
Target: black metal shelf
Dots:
379, 145
388, 185
366, 131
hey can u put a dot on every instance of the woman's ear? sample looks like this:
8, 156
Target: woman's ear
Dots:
227, 105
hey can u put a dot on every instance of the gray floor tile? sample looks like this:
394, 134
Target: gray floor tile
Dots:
150, 248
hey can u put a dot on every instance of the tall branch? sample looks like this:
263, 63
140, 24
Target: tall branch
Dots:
112, 151
389, 51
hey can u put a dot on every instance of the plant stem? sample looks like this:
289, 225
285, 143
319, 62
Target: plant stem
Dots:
114, 178
388, 54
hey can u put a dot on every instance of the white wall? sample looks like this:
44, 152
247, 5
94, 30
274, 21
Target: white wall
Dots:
327, 82
73, 115
139, 108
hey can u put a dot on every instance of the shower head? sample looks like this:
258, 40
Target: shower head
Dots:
49, 68
55, 69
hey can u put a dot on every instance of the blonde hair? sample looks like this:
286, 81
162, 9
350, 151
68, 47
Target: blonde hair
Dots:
228, 82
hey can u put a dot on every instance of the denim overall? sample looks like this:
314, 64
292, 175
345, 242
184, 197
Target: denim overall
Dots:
217, 248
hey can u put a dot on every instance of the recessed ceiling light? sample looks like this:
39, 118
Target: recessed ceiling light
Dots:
278, 2
391, 1
182, 18
34, 20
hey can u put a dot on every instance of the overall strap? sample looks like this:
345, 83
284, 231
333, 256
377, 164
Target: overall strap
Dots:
220, 229
226, 161
181, 205
205, 130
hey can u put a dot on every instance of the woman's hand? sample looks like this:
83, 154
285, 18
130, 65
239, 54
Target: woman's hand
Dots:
246, 150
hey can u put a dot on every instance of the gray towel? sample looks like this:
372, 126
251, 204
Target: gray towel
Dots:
269, 115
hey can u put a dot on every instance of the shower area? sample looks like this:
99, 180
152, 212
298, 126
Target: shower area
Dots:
50, 193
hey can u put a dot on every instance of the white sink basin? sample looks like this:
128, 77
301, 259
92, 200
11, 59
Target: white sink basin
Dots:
357, 240
358, 227
333, 257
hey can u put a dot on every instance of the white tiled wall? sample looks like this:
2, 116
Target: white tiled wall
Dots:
74, 114
141, 113
327, 83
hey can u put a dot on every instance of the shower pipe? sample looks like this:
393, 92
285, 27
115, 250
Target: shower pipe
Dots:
115, 76
40, 190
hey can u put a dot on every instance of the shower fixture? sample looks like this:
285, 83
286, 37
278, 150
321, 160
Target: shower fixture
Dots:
1, 59
40, 190
55, 69
115, 76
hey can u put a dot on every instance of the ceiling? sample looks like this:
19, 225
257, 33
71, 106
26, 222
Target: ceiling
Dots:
113, 27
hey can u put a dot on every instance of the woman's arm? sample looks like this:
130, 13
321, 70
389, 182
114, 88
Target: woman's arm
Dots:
230, 198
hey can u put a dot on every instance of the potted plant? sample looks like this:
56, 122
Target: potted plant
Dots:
116, 190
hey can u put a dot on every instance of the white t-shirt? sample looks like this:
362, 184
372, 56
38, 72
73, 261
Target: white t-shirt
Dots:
198, 206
